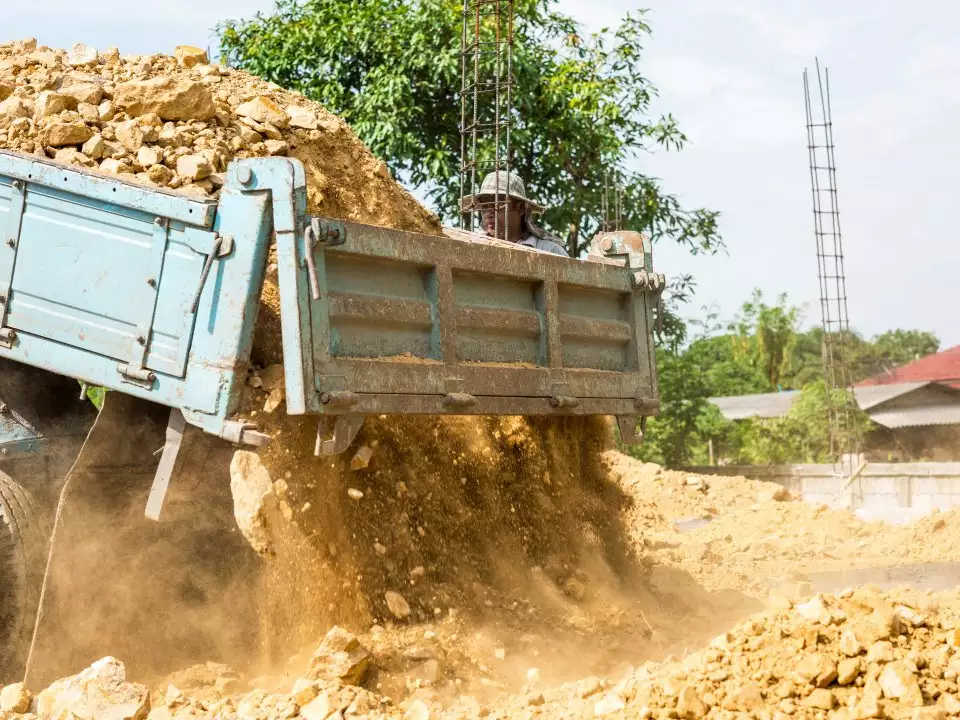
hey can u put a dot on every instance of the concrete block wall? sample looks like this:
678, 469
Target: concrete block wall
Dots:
881, 488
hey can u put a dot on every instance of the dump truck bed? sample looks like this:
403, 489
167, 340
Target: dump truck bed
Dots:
155, 294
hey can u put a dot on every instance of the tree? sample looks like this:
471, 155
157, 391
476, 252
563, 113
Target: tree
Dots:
893, 348
803, 435
767, 335
391, 68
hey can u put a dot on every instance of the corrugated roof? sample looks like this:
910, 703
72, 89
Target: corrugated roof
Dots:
937, 405
766, 405
914, 417
943, 367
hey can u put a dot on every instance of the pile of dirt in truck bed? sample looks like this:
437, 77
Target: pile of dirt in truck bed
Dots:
176, 122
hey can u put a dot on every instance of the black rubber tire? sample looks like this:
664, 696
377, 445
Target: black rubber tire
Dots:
21, 572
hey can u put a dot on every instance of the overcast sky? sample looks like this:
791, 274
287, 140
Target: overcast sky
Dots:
731, 73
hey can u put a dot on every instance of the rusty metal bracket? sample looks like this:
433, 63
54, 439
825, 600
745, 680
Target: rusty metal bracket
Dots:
457, 399
339, 398
345, 429
628, 429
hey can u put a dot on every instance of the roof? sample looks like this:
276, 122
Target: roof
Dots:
892, 405
942, 367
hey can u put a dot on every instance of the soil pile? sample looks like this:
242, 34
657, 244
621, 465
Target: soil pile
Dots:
748, 535
176, 122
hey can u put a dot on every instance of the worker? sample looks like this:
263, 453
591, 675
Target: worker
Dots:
519, 227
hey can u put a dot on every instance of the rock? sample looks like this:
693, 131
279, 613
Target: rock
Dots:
15, 699
880, 652
749, 699
188, 56
849, 643
59, 134
88, 113
149, 156
397, 605
820, 698
778, 493
116, 167
533, 676
170, 98
361, 458
71, 156
815, 610
101, 691
689, 704
275, 398
589, 686
262, 109
575, 589
276, 147
898, 682
255, 504
49, 103
339, 657
536, 699
817, 669
13, 108
105, 111
951, 704
193, 167
130, 135
301, 117
608, 704
81, 55
417, 710
320, 707
6, 89
847, 670
928, 713
90, 93
354, 494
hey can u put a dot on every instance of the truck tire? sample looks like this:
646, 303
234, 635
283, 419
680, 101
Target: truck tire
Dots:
21, 567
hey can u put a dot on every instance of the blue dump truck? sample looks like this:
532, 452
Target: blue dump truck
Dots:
154, 296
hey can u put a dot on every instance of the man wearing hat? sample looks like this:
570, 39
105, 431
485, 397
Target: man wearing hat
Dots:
519, 227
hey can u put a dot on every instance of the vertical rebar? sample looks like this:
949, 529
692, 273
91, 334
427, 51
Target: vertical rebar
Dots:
845, 440
486, 68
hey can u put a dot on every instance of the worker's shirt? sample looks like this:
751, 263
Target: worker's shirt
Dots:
543, 244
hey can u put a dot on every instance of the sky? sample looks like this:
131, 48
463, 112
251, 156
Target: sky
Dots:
730, 72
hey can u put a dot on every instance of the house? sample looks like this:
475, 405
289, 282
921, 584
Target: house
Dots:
941, 367
891, 405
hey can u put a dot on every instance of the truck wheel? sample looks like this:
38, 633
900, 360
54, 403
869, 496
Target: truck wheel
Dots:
21, 567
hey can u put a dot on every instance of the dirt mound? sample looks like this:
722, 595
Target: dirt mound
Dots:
748, 535
176, 123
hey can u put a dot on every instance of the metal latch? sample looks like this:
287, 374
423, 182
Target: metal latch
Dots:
320, 233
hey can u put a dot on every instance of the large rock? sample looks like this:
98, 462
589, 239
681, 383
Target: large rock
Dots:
899, 682
59, 134
339, 657
13, 108
101, 691
255, 504
188, 56
264, 110
170, 98
49, 103
15, 699
81, 55
6, 89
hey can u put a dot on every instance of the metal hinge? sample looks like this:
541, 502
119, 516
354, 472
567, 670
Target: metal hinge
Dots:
136, 375
8, 336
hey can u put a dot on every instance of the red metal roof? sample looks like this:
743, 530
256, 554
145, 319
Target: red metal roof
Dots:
941, 367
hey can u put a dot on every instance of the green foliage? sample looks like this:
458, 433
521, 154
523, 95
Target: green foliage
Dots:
766, 336
802, 435
761, 351
391, 68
